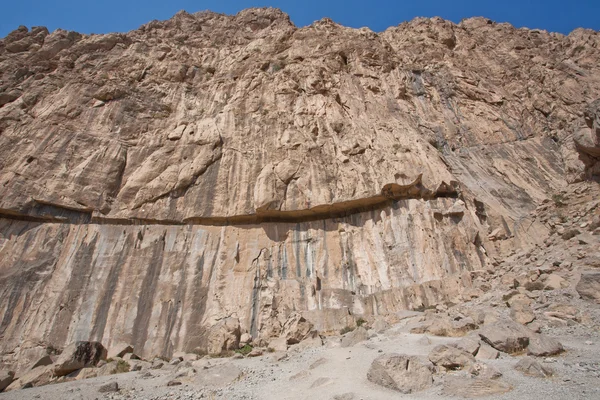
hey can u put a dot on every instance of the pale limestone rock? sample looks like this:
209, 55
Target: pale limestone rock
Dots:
506, 336
406, 374
486, 352
531, 367
451, 358
78, 355
223, 336
119, 350
356, 336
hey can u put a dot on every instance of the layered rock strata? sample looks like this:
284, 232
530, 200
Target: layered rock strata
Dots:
156, 182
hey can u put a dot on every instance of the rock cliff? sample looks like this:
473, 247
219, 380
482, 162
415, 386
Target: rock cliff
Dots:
156, 182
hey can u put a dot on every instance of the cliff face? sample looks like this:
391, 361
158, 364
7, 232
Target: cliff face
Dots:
209, 166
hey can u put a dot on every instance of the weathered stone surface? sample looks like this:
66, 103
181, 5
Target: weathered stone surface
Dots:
356, 336
296, 328
279, 344
36, 377
469, 344
79, 355
542, 346
588, 286
450, 357
529, 366
406, 374
6, 378
486, 352
506, 336
119, 350
259, 169
223, 336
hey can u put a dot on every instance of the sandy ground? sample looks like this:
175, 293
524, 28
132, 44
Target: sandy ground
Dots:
333, 373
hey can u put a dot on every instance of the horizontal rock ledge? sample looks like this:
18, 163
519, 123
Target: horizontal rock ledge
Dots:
53, 213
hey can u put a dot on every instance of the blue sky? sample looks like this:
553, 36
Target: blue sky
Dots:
123, 15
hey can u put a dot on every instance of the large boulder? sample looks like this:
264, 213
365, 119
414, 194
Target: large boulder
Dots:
507, 336
356, 336
6, 378
543, 346
406, 374
296, 328
589, 286
223, 336
79, 355
36, 377
450, 357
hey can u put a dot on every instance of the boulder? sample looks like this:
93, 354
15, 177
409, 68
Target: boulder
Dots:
469, 344
486, 371
356, 336
279, 344
79, 355
223, 336
36, 377
246, 338
120, 350
450, 357
406, 374
296, 328
6, 378
531, 367
543, 346
507, 336
554, 282
588, 286
486, 352
43, 361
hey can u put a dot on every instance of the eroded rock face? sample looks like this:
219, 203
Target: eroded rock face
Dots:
238, 166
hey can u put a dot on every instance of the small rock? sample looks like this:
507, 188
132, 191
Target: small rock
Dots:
542, 346
173, 383
109, 388
482, 370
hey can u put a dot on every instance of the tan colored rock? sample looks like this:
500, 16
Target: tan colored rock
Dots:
469, 344
225, 335
296, 328
531, 367
36, 377
406, 374
554, 282
542, 346
79, 355
356, 336
451, 358
335, 148
588, 286
506, 336
6, 378
119, 350
486, 352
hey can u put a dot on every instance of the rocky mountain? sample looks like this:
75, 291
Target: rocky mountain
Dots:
216, 175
